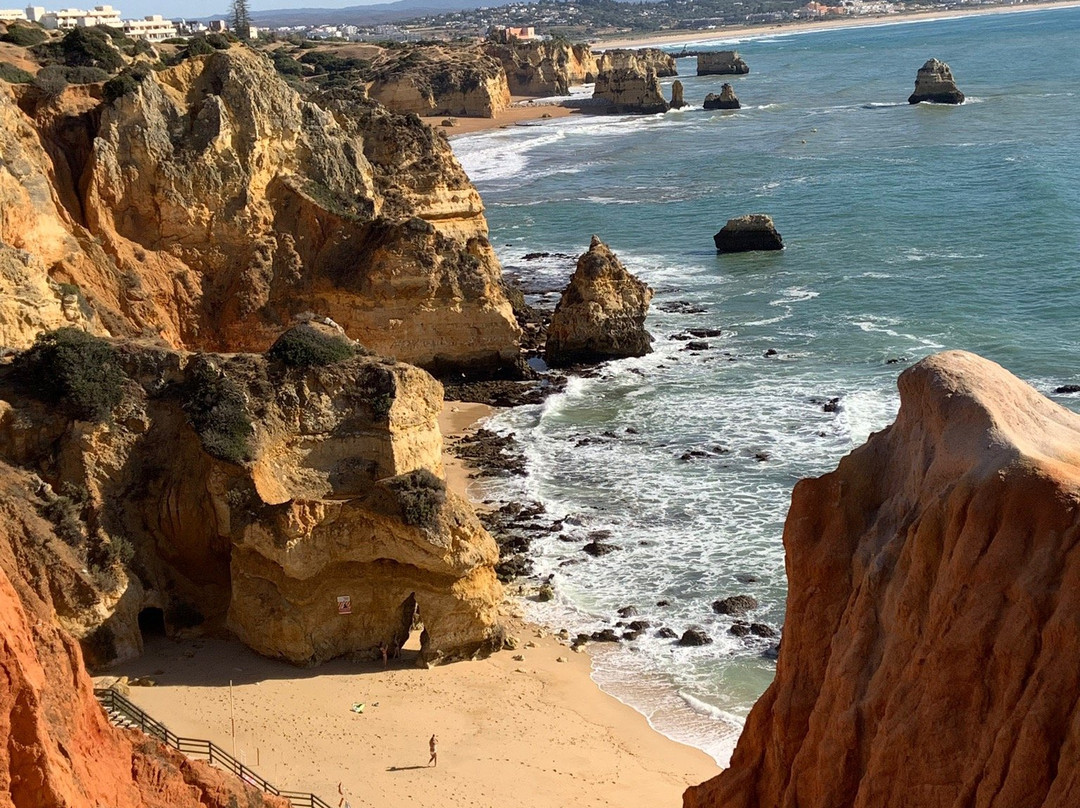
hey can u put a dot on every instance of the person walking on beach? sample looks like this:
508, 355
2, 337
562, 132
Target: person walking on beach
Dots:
433, 745
344, 801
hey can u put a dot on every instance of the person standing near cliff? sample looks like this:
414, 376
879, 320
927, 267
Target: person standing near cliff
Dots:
433, 745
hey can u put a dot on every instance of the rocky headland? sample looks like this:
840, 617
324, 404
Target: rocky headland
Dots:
932, 612
544, 68
435, 80
209, 204
934, 83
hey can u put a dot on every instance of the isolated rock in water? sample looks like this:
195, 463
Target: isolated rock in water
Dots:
933, 614
745, 233
601, 314
628, 83
677, 101
726, 99
721, 63
934, 83
736, 605
695, 635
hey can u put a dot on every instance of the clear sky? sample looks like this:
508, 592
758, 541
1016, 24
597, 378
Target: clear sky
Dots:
197, 9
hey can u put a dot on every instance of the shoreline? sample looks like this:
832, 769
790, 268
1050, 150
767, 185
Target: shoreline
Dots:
527, 727
810, 26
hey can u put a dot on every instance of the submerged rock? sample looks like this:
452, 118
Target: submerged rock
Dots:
721, 63
725, 100
694, 636
601, 314
748, 233
934, 83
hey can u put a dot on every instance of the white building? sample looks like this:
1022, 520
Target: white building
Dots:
12, 14
153, 28
67, 18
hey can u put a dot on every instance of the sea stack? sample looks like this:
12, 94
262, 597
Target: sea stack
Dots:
748, 233
933, 612
934, 83
628, 83
721, 63
677, 101
601, 314
726, 99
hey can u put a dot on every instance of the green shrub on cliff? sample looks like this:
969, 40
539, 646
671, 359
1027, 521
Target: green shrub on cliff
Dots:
217, 410
14, 75
74, 369
25, 36
91, 47
126, 82
305, 347
420, 495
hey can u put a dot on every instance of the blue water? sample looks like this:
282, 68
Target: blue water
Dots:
909, 229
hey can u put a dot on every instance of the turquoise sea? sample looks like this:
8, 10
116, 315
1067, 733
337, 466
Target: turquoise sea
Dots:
909, 229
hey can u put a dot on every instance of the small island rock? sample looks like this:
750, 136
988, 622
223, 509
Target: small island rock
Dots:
745, 233
677, 101
601, 314
934, 83
725, 100
721, 63
695, 635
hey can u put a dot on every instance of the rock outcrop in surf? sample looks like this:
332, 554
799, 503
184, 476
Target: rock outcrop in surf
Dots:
726, 99
755, 231
934, 83
677, 100
933, 614
601, 314
721, 63
628, 83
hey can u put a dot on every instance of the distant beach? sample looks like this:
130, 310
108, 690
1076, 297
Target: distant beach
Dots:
804, 26
533, 732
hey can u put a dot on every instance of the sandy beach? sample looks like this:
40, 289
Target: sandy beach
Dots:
526, 732
522, 112
800, 26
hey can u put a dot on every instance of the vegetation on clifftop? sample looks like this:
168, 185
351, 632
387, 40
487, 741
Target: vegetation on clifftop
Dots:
74, 369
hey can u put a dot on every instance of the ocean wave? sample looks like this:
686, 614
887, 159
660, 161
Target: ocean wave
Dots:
711, 710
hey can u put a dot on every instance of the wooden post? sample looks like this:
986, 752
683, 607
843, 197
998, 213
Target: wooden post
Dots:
232, 719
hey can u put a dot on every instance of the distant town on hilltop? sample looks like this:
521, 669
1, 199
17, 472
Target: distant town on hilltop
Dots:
406, 20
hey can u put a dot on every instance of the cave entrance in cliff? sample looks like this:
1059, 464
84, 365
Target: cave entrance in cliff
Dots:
408, 619
151, 623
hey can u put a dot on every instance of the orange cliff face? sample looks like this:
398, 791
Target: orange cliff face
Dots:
59, 749
929, 656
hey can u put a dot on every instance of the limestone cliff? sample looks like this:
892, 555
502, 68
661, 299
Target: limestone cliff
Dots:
933, 614
628, 83
255, 490
543, 68
442, 81
59, 749
210, 205
721, 63
601, 314
661, 62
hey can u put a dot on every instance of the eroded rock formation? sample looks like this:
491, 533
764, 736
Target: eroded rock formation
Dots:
755, 231
933, 614
725, 100
262, 490
628, 84
442, 81
58, 748
211, 204
677, 101
543, 68
601, 314
721, 63
934, 83
661, 62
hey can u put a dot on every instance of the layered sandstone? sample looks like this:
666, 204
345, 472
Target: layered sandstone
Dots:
58, 748
721, 63
442, 81
543, 68
256, 493
934, 83
211, 205
628, 84
933, 614
601, 314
